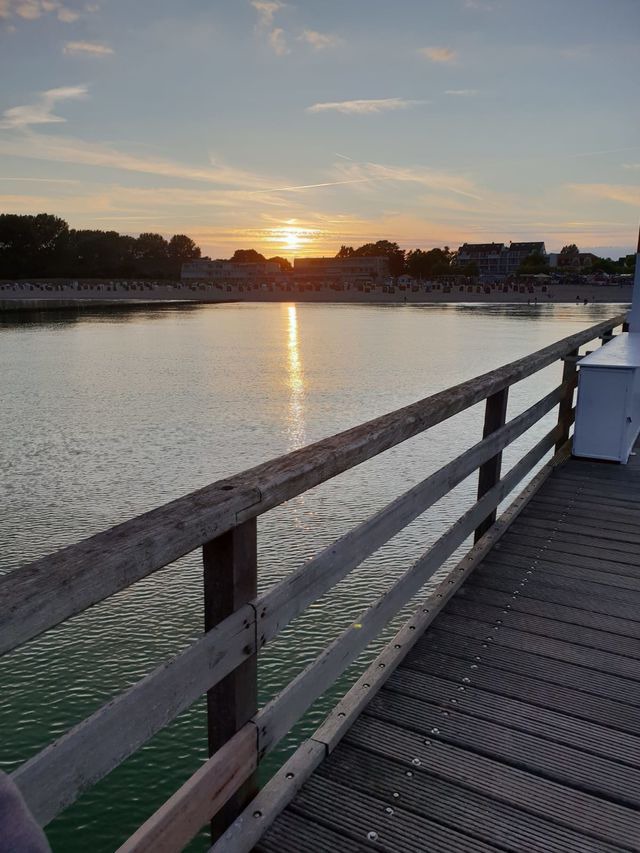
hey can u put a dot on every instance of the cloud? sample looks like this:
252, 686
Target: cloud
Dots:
462, 93
319, 41
439, 54
42, 111
610, 192
31, 10
266, 10
631, 166
364, 107
86, 48
60, 149
278, 41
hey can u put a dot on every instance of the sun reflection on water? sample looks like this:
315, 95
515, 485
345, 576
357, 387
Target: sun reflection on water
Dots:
295, 379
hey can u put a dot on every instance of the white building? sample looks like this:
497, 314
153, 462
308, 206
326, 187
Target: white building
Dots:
375, 268
207, 270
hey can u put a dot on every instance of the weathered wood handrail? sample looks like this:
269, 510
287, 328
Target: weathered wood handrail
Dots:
81, 575
238, 623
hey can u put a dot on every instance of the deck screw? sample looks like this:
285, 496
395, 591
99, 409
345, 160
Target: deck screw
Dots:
389, 810
395, 795
257, 814
290, 775
416, 762
409, 773
372, 836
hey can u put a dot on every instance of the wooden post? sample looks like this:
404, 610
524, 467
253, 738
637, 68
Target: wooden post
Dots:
495, 415
231, 580
625, 327
569, 374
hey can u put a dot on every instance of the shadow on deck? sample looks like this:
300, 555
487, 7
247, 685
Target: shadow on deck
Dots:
514, 722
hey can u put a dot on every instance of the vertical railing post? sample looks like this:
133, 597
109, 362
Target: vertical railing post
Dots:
231, 580
570, 375
495, 415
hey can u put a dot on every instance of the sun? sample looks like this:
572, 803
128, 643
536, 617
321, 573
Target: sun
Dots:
292, 239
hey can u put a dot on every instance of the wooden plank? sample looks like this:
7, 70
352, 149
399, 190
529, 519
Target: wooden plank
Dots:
279, 715
563, 764
575, 809
83, 574
230, 575
452, 805
495, 414
90, 750
557, 564
586, 598
617, 561
399, 830
589, 538
551, 647
607, 535
548, 511
570, 376
566, 700
517, 713
294, 833
178, 820
286, 600
532, 662
528, 603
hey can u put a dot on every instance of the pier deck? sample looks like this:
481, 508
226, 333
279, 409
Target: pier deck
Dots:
514, 722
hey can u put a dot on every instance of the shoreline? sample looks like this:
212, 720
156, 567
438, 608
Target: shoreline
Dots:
16, 301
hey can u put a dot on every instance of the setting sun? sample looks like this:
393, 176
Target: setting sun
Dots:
292, 239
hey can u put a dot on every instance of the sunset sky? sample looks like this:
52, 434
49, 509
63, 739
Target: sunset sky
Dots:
295, 127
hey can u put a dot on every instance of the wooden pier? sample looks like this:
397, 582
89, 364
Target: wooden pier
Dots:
503, 715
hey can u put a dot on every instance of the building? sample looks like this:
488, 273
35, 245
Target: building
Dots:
228, 271
375, 268
495, 260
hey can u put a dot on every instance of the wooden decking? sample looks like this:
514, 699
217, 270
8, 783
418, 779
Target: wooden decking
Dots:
514, 722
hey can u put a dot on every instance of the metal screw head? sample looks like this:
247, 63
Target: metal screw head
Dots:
372, 836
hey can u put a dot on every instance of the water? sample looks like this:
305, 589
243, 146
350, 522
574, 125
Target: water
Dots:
107, 415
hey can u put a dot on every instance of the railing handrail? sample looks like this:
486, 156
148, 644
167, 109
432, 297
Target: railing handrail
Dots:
81, 575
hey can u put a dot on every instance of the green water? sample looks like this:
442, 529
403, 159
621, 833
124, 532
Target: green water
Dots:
108, 415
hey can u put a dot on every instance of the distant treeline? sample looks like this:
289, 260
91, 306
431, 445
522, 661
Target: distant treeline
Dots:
43, 246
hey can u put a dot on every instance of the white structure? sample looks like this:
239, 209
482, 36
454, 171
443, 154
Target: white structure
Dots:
207, 270
608, 409
376, 268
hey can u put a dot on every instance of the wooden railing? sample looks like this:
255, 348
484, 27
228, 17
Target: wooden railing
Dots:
221, 519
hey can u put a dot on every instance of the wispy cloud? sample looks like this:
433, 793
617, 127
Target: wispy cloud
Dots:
266, 10
462, 93
364, 107
438, 54
610, 192
86, 48
41, 112
278, 41
631, 166
31, 10
319, 41
61, 149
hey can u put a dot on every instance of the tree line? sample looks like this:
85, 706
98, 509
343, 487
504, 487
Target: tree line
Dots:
43, 246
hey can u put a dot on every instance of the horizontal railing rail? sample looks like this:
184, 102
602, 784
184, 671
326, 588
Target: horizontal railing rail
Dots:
221, 519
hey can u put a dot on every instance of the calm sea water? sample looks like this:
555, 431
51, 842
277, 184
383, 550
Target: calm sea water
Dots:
107, 415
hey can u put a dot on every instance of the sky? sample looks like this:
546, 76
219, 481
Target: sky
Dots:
296, 127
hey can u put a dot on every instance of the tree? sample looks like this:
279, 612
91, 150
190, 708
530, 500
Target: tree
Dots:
31, 245
182, 248
283, 263
533, 264
421, 264
569, 256
152, 247
247, 256
382, 248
